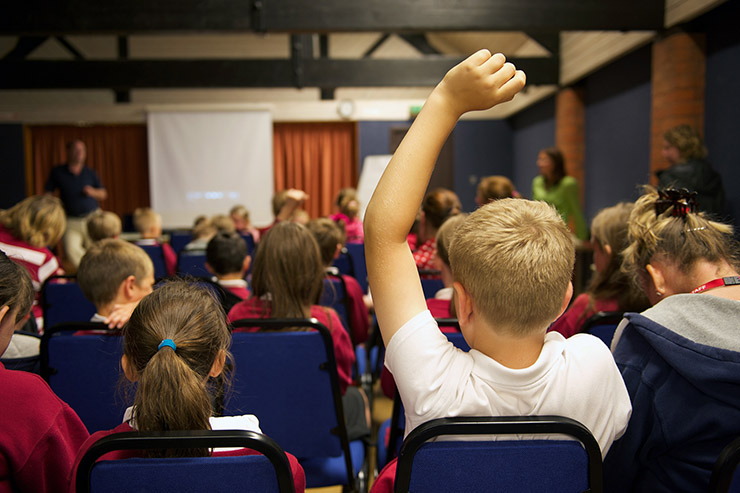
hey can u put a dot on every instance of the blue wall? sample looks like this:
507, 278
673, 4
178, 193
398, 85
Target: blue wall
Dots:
617, 147
533, 129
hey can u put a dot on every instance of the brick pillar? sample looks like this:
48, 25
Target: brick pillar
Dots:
570, 132
678, 81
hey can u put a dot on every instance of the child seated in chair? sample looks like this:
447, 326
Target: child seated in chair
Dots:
331, 241
176, 341
39, 434
512, 262
115, 275
149, 224
103, 224
227, 260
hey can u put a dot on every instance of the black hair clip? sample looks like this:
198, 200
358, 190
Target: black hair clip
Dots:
682, 201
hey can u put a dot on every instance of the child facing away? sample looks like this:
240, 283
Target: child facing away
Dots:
285, 206
330, 239
348, 207
438, 205
442, 305
103, 224
149, 224
39, 434
495, 187
287, 279
610, 289
115, 275
176, 340
27, 230
240, 215
511, 262
228, 261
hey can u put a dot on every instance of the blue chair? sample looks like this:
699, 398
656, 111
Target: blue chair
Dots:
180, 238
269, 472
62, 301
603, 325
726, 473
356, 252
155, 253
84, 371
431, 286
192, 263
289, 380
334, 295
526, 465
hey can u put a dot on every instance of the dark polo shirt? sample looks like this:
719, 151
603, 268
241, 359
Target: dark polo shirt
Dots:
70, 186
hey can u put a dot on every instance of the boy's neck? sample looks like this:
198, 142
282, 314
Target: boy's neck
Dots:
231, 277
515, 352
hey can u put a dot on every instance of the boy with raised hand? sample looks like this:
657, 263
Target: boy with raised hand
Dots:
511, 262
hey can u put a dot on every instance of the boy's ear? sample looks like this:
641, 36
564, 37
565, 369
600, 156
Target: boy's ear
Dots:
218, 364
246, 263
129, 284
463, 304
3, 312
209, 268
566, 299
128, 370
608, 249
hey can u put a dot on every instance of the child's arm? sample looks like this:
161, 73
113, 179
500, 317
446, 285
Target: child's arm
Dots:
478, 83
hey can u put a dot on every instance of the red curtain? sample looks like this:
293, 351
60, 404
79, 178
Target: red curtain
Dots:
318, 158
118, 153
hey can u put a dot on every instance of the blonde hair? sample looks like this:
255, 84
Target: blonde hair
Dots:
103, 224
515, 259
494, 188
687, 140
145, 219
38, 220
172, 389
680, 240
347, 202
204, 229
106, 264
223, 223
328, 235
288, 267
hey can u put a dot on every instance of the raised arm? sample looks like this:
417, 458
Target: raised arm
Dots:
478, 83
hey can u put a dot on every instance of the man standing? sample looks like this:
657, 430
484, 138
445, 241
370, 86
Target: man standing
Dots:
80, 190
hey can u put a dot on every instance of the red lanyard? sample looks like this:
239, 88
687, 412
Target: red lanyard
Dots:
722, 281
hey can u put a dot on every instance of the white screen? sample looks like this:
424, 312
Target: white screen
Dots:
207, 162
372, 169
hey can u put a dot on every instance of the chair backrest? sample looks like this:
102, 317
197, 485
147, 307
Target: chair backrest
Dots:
192, 263
726, 473
180, 238
603, 325
334, 295
289, 380
84, 371
155, 253
269, 472
500, 465
356, 253
62, 301
431, 286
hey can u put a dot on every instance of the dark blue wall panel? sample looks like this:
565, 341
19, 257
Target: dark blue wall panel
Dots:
617, 150
533, 129
12, 167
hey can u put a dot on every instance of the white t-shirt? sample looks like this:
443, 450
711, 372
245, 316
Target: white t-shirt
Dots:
576, 378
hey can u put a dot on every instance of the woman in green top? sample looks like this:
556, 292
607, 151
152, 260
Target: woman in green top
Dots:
555, 187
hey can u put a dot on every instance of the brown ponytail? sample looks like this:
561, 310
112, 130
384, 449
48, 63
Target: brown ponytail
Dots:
173, 391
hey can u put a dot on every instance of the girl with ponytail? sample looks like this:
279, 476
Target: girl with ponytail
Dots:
176, 341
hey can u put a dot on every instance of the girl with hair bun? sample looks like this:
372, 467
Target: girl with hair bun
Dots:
27, 230
175, 342
39, 433
680, 359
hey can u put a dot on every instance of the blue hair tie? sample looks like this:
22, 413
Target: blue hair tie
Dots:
168, 343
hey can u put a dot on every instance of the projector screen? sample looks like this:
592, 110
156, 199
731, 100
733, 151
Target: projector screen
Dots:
203, 163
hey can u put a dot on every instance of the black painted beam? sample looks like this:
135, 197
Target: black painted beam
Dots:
322, 73
59, 17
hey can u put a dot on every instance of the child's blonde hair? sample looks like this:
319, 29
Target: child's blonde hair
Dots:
288, 267
38, 220
515, 259
106, 264
103, 224
145, 220
172, 387
328, 235
494, 188
223, 223
680, 239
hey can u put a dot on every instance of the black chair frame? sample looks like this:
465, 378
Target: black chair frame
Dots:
330, 365
514, 425
134, 440
601, 318
724, 467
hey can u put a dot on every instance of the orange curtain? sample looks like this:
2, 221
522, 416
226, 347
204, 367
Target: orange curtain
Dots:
118, 153
318, 158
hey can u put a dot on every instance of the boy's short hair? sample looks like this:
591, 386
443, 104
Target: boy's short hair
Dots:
328, 235
103, 224
515, 259
108, 263
223, 223
226, 252
145, 219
